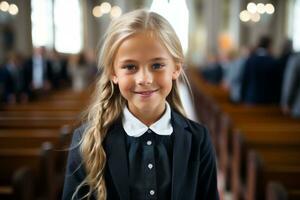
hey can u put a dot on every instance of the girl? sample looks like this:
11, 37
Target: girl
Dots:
136, 143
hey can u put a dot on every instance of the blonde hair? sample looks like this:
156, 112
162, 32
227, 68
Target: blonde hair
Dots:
108, 103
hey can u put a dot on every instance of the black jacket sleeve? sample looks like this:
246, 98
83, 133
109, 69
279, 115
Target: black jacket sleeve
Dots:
75, 172
208, 172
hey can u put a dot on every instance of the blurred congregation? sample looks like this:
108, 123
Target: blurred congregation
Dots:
242, 59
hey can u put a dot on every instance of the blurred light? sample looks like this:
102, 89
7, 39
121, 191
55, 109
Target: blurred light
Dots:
261, 8
255, 17
97, 11
251, 7
269, 8
225, 42
115, 12
13, 9
105, 7
4, 6
245, 16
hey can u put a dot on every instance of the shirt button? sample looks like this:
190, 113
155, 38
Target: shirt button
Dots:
152, 192
150, 166
149, 131
149, 142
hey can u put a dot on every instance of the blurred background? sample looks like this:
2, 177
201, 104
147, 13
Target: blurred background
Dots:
205, 27
241, 57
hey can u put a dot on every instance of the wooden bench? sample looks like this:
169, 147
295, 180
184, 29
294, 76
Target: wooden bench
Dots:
262, 169
36, 122
23, 128
261, 125
259, 139
46, 106
40, 161
21, 188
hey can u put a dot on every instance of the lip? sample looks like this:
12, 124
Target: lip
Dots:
146, 93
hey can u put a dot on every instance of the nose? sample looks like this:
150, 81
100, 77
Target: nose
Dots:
144, 77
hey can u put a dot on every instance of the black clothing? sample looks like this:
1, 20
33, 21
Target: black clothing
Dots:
150, 166
193, 163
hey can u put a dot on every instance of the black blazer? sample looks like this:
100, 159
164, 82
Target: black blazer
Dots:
259, 80
194, 166
28, 70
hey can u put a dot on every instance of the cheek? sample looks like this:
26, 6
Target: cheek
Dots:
125, 84
166, 82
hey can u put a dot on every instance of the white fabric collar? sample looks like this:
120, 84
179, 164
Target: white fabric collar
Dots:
135, 128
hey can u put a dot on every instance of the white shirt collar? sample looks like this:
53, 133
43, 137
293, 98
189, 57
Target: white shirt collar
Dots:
135, 128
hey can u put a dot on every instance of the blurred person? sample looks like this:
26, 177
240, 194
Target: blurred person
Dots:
258, 75
12, 75
290, 98
80, 72
38, 72
3, 75
233, 77
213, 71
89, 55
8, 37
59, 70
285, 54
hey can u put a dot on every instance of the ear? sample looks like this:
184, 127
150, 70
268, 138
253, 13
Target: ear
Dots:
114, 78
177, 71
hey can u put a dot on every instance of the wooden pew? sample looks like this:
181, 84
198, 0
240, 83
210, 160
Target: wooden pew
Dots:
247, 118
28, 138
46, 106
33, 113
259, 139
36, 122
40, 161
261, 170
34, 138
277, 191
21, 188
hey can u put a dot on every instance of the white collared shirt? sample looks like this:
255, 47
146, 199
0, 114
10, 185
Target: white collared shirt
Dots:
135, 128
37, 70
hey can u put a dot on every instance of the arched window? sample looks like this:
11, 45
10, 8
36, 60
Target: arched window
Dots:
68, 26
42, 23
296, 26
57, 24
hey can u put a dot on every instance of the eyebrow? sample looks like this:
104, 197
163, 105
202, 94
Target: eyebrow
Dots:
151, 60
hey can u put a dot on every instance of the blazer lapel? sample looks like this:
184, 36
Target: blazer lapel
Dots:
181, 152
117, 160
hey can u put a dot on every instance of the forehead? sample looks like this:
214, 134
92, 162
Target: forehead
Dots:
142, 45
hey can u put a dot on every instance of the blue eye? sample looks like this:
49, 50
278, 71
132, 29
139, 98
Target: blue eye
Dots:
129, 67
157, 65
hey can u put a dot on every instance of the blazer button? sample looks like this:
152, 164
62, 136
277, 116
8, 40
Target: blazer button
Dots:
152, 192
150, 166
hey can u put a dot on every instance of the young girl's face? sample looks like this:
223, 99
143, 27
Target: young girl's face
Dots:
144, 70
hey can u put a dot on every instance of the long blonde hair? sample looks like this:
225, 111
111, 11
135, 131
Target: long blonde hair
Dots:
107, 103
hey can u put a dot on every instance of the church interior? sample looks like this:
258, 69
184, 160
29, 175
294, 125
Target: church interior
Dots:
241, 59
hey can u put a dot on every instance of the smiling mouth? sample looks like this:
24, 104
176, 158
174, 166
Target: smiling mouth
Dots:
146, 93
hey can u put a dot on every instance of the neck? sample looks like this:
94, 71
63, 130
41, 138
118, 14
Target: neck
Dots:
148, 117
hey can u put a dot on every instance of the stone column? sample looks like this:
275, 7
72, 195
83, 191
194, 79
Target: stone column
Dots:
234, 21
212, 21
22, 27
